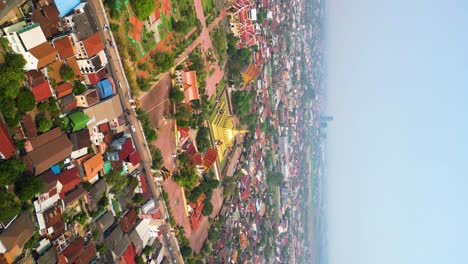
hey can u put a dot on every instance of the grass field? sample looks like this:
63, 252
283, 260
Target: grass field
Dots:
208, 6
165, 27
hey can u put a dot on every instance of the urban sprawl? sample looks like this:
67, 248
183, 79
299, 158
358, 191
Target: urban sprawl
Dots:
161, 131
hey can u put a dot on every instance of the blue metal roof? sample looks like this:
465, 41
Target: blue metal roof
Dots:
66, 6
105, 88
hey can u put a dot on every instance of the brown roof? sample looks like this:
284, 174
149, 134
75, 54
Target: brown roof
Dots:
74, 65
80, 139
92, 96
45, 53
18, 233
50, 180
93, 44
48, 18
29, 126
128, 221
48, 149
34, 77
64, 47
54, 70
87, 254
64, 89
74, 195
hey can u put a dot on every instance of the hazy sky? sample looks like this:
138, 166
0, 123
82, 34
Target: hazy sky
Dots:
398, 147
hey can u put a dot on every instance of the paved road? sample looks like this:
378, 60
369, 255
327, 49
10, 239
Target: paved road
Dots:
117, 72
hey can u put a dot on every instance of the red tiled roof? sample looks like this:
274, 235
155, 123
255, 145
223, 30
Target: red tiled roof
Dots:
184, 131
42, 91
64, 89
210, 157
189, 79
196, 159
64, 47
129, 255
93, 44
134, 158
128, 221
105, 130
127, 149
96, 77
7, 149
74, 249
69, 179
144, 189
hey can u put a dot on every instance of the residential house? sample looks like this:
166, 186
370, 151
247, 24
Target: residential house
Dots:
7, 148
51, 193
128, 221
22, 37
64, 6
104, 222
70, 181
242, 24
47, 150
81, 142
48, 18
145, 232
63, 90
34, 77
65, 47
78, 120
49, 257
79, 252
92, 166
28, 126
44, 53
89, 98
81, 20
42, 91
129, 255
116, 242
13, 238
105, 111
95, 193
67, 104
54, 224
106, 88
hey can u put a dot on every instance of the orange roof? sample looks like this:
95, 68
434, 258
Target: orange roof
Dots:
250, 73
93, 44
210, 158
93, 165
64, 89
64, 47
45, 53
74, 65
243, 241
189, 79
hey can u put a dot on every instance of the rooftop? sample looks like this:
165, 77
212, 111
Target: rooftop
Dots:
65, 47
42, 91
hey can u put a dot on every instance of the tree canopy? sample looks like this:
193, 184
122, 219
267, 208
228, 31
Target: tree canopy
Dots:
67, 73
25, 100
143, 8
9, 207
203, 139
208, 208
186, 177
78, 87
164, 61
9, 171
274, 178
44, 124
27, 186
176, 95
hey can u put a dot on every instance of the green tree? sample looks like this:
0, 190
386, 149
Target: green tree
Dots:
157, 159
187, 177
208, 208
12, 89
9, 171
27, 186
25, 101
67, 73
185, 251
9, 207
274, 178
143, 8
164, 61
176, 95
203, 139
15, 61
43, 123
182, 113
78, 87
117, 181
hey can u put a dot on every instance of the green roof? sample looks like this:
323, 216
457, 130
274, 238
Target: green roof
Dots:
107, 167
78, 121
